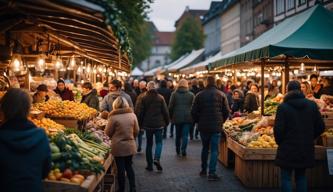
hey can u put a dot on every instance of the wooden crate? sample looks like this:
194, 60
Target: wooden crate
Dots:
71, 123
256, 168
226, 156
328, 119
89, 184
327, 141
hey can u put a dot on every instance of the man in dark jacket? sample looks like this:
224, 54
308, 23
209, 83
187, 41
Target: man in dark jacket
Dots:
137, 111
166, 93
153, 116
210, 110
63, 91
90, 96
298, 123
24, 148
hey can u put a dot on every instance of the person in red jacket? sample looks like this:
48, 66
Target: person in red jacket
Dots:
63, 91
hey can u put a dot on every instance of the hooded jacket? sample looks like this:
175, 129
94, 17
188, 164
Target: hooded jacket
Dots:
91, 99
251, 102
180, 105
106, 104
25, 156
210, 110
298, 122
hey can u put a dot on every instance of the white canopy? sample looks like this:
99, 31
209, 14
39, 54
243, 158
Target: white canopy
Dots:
136, 72
195, 54
152, 71
175, 62
201, 65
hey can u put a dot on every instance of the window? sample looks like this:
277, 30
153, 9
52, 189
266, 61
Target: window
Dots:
290, 4
301, 2
279, 6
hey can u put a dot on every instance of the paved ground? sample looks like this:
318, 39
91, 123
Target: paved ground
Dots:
182, 175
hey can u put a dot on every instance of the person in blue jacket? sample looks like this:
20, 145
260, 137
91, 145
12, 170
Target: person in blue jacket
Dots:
24, 148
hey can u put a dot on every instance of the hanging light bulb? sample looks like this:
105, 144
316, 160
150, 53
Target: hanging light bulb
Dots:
16, 63
315, 68
88, 69
79, 70
59, 63
94, 70
100, 69
104, 70
72, 62
302, 67
40, 63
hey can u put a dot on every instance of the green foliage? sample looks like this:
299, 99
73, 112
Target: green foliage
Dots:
142, 44
188, 37
126, 17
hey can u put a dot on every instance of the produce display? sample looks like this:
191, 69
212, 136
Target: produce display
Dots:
66, 176
272, 104
328, 132
66, 109
253, 133
50, 127
97, 123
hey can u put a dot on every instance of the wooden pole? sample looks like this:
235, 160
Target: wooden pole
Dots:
262, 86
285, 76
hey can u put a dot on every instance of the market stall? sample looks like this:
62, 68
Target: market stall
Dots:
299, 43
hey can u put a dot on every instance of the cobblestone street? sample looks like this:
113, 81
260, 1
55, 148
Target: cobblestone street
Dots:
183, 174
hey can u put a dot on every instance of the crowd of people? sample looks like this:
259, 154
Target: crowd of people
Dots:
187, 108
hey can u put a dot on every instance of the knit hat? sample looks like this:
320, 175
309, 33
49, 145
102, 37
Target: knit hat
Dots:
61, 81
42, 87
293, 86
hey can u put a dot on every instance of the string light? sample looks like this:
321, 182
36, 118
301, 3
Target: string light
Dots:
16, 63
72, 62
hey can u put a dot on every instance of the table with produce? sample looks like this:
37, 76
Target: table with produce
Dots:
80, 157
249, 140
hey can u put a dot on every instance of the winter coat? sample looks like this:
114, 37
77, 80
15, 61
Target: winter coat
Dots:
298, 122
195, 90
210, 110
106, 104
138, 104
237, 105
66, 94
122, 128
166, 93
317, 91
133, 96
25, 156
180, 106
91, 99
153, 111
251, 102
327, 90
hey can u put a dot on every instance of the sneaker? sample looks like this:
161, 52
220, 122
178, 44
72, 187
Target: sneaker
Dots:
149, 168
158, 165
213, 177
203, 173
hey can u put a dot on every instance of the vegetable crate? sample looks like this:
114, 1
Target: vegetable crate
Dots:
226, 156
256, 168
71, 123
328, 119
327, 141
88, 185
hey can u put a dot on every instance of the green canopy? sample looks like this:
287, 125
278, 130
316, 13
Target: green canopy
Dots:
307, 34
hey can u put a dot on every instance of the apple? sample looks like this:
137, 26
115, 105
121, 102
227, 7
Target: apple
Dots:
67, 174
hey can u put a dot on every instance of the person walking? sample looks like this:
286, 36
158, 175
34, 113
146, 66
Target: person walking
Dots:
137, 110
90, 96
153, 117
115, 91
210, 110
25, 153
130, 91
166, 93
195, 90
298, 123
180, 112
123, 128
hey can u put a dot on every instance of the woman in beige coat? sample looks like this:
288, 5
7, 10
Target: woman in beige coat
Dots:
122, 128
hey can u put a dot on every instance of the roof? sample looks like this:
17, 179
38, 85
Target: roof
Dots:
192, 12
188, 60
201, 65
217, 8
164, 38
306, 34
152, 71
175, 62
136, 72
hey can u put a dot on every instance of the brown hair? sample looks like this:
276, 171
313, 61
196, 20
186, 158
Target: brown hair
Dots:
22, 101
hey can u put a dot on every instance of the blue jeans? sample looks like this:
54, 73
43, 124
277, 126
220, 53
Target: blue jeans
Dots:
209, 141
182, 131
300, 178
140, 135
149, 149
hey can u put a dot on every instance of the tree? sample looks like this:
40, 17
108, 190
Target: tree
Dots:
188, 37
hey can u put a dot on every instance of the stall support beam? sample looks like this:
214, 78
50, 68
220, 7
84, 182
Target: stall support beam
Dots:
262, 86
285, 77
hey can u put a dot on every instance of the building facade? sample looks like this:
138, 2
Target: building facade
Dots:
230, 30
190, 13
263, 16
160, 52
287, 8
212, 23
246, 21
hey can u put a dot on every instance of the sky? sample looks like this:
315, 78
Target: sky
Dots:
164, 13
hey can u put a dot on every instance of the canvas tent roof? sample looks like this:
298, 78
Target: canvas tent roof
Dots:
136, 72
194, 55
